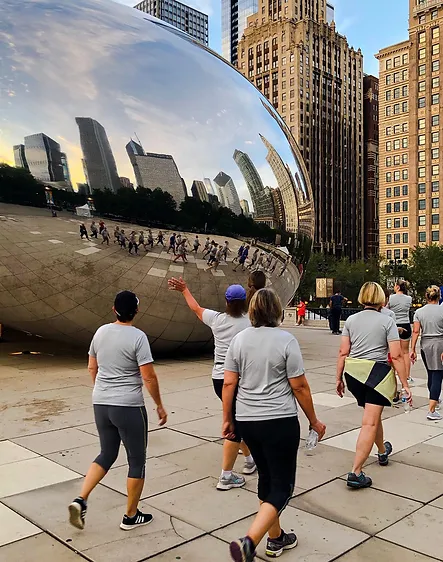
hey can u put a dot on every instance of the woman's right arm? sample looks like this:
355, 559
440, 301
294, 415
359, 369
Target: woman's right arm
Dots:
93, 368
302, 392
345, 349
180, 285
415, 334
151, 382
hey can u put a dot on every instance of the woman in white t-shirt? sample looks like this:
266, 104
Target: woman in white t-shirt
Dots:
224, 326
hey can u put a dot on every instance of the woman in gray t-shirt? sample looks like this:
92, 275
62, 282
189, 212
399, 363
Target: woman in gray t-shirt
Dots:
400, 303
429, 321
266, 366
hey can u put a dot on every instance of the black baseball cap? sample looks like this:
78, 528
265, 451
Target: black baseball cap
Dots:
126, 303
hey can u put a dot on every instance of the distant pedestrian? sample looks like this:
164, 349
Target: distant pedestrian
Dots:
105, 236
181, 252
301, 313
141, 239
172, 243
217, 259
83, 231
160, 238
254, 258
94, 230
225, 251
196, 245
122, 239
178, 239
207, 245
336, 303
284, 267
150, 239
117, 235
209, 249
133, 243
239, 253
212, 253
101, 226
242, 259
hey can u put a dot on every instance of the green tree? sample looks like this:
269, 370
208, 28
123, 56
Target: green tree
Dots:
425, 268
18, 186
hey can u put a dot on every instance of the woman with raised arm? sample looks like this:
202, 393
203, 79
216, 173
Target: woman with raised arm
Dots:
224, 325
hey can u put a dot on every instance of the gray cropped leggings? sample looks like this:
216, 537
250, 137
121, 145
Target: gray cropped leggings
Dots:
122, 423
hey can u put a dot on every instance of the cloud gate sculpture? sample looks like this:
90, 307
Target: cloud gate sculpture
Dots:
94, 94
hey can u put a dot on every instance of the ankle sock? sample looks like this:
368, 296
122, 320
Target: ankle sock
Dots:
226, 473
249, 458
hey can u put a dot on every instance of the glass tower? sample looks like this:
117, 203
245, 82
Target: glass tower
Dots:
234, 14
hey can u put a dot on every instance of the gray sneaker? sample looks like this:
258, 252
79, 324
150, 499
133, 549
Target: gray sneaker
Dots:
234, 481
434, 416
249, 467
438, 407
275, 547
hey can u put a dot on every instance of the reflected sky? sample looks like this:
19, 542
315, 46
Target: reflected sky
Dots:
99, 59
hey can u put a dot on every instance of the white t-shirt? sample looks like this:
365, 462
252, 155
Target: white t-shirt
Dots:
265, 359
224, 328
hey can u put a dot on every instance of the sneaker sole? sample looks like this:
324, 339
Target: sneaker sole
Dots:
236, 551
75, 516
272, 554
124, 527
249, 470
357, 486
433, 419
225, 487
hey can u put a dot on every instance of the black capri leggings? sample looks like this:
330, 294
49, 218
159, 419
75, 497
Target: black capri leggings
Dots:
274, 446
122, 423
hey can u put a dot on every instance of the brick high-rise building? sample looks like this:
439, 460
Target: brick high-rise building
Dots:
410, 156
307, 70
370, 121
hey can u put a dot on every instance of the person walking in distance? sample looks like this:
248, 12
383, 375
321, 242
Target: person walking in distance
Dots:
256, 281
120, 362
212, 253
429, 321
160, 238
225, 251
83, 231
336, 305
181, 251
208, 249
265, 379
150, 238
171, 244
224, 326
117, 235
196, 245
368, 338
122, 239
207, 246
284, 267
254, 258
133, 243
178, 240
94, 230
217, 259
101, 226
242, 259
141, 239
239, 253
105, 235
400, 303
301, 313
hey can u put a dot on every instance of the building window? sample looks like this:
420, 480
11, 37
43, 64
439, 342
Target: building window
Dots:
389, 177
396, 144
421, 103
405, 238
397, 207
404, 206
422, 172
404, 142
435, 236
388, 95
435, 169
388, 254
434, 14
435, 202
421, 188
388, 131
397, 238
435, 65
388, 146
436, 82
397, 175
421, 155
404, 106
422, 86
389, 111
422, 204
422, 220
422, 70
422, 37
405, 253
388, 79
435, 99
434, 153
388, 208
388, 223
405, 174
397, 191
405, 222
435, 120
404, 190
421, 140
396, 223
388, 192
405, 127
388, 238
435, 219
435, 137
435, 186
404, 158
389, 161
396, 254
422, 54
435, 49
405, 58
389, 64
421, 19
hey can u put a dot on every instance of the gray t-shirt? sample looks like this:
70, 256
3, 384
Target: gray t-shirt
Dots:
430, 317
265, 359
388, 312
400, 304
370, 333
119, 350
224, 328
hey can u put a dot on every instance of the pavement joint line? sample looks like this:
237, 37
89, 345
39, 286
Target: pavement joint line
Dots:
407, 548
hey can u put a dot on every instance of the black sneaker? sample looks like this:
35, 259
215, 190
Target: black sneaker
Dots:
360, 481
242, 550
139, 519
275, 547
77, 513
383, 459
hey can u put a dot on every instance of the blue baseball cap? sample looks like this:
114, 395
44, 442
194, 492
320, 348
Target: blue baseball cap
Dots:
235, 292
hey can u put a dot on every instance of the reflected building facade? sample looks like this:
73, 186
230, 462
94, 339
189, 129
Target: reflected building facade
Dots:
187, 19
44, 158
234, 16
198, 190
99, 162
209, 187
20, 156
228, 192
66, 174
245, 207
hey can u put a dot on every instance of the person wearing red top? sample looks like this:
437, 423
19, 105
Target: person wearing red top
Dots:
301, 313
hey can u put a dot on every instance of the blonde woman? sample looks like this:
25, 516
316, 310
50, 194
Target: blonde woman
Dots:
368, 337
264, 367
429, 321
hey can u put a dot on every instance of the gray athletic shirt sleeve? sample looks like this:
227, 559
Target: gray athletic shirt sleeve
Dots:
120, 351
265, 359
401, 305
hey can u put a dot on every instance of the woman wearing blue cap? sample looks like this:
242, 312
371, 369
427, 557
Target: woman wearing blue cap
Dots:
224, 326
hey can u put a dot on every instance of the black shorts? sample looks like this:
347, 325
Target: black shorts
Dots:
365, 394
218, 387
407, 334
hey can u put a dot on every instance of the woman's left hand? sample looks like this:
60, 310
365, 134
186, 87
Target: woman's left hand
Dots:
228, 430
340, 388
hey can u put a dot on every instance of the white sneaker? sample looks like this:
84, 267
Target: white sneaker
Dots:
434, 416
438, 405
249, 467
234, 481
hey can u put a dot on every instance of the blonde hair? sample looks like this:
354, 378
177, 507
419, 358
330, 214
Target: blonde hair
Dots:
265, 309
371, 294
433, 293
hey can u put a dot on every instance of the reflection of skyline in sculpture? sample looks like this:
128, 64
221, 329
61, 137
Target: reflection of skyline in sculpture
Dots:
198, 190
260, 196
209, 187
279, 208
20, 156
65, 168
234, 15
228, 192
43, 157
245, 207
98, 158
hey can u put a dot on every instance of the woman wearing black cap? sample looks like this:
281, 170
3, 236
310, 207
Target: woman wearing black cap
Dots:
120, 361
224, 326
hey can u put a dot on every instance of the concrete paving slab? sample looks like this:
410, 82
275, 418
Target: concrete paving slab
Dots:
331, 400
367, 510
199, 550
79, 459
10, 453
38, 548
13, 527
166, 441
377, 549
58, 440
422, 455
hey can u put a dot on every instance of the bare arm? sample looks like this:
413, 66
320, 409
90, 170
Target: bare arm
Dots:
229, 385
302, 393
415, 334
93, 368
151, 382
180, 285
345, 349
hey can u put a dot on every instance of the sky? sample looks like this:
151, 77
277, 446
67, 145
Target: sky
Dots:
368, 25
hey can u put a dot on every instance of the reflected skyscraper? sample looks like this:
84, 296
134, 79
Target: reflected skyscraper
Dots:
180, 15
20, 156
65, 167
234, 15
209, 187
228, 192
279, 208
44, 158
261, 196
245, 207
99, 162
198, 190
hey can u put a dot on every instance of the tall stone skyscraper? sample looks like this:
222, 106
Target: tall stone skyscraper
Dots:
411, 164
315, 80
228, 193
98, 159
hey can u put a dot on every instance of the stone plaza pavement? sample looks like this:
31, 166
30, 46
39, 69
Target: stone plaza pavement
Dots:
48, 439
